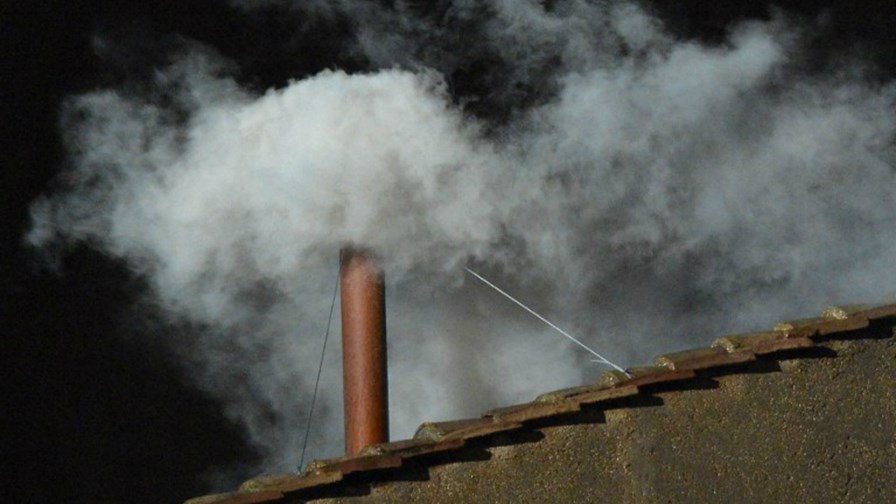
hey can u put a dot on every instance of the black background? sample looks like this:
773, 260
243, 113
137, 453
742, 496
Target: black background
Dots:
91, 410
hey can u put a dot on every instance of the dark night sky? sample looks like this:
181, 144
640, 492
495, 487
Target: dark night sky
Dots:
92, 412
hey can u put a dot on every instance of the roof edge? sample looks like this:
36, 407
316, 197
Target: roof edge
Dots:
435, 442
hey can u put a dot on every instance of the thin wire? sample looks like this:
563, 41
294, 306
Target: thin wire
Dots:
320, 369
601, 358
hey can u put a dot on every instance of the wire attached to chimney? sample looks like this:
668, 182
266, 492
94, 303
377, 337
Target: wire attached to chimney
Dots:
320, 369
601, 359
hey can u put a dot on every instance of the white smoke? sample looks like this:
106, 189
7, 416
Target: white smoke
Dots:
645, 193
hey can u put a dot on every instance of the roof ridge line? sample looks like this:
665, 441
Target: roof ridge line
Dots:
433, 440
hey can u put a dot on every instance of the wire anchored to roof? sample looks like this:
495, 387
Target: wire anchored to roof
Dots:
600, 358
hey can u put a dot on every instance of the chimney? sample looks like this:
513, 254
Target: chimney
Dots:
366, 391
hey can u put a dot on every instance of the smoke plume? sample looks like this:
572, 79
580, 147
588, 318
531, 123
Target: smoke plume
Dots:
644, 192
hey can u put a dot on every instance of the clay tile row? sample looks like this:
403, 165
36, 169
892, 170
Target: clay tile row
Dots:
286, 483
329, 471
532, 411
463, 429
821, 326
837, 319
760, 343
409, 448
870, 312
360, 463
642, 376
586, 394
435, 437
238, 498
269, 488
703, 358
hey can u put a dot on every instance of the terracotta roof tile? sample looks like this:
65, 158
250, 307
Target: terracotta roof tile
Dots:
408, 448
821, 326
583, 394
702, 358
238, 498
315, 465
739, 342
532, 411
837, 319
350, 465
286, 483
784, 344
462, 429
868, 311
435, 437
560, 402
437, 431
879, 312
566, 393
842, 312
644, 375
600, 395
761, 343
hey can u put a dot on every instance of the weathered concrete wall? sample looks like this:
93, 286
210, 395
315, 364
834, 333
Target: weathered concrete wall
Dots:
818, 428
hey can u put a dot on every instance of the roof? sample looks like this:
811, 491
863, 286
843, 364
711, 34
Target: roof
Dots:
440, 443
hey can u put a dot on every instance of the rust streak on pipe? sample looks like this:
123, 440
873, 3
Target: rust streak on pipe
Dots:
365, 385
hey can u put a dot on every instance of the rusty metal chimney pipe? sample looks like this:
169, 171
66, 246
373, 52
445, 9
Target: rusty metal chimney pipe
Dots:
364, 375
